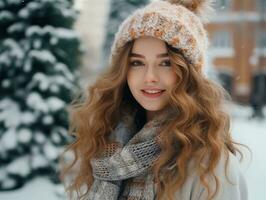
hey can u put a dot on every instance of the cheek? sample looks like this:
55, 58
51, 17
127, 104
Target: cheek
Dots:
170, 79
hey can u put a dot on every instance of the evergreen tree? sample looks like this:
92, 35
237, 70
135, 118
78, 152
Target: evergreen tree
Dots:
39, 56
119, 10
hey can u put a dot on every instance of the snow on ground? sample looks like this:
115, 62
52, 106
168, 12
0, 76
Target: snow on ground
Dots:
250, 132
37, 189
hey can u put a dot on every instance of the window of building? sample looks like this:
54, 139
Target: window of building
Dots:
261, 39
226, 80
260, 49
223, 5
222, 39
261, 5
222, 44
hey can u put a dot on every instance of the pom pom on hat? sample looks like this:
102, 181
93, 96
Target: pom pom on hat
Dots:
202, 8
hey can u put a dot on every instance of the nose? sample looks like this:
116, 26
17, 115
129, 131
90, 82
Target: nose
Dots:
151, 75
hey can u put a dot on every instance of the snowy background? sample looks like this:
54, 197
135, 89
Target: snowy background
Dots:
249, 132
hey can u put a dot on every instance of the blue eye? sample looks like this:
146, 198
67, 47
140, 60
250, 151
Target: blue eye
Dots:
166, 63
136, 63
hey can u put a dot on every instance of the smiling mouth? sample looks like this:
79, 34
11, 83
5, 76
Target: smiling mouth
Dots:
152, 93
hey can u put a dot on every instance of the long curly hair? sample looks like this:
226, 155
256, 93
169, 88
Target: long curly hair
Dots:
201, 128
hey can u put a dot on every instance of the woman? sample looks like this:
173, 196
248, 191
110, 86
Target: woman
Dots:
152, 126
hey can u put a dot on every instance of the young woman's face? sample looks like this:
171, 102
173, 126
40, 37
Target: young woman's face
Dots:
150, 76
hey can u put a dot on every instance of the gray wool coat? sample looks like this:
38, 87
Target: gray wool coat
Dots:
236, 190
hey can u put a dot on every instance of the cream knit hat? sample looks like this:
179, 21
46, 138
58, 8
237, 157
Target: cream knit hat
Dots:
177, 22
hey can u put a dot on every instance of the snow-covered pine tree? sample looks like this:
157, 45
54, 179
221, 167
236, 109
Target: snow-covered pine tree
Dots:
39, 56
119, 10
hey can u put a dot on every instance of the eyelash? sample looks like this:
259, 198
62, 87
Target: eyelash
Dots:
141, 63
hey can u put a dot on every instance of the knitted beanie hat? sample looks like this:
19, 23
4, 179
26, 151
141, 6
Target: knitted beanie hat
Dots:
177, 22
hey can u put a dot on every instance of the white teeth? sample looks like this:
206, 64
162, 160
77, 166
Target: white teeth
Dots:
152, 91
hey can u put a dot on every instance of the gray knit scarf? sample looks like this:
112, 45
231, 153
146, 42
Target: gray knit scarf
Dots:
122, 170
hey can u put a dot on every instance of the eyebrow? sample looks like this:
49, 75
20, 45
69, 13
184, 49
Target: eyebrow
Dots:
162, 55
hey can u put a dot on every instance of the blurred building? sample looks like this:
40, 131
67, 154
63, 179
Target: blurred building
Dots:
238, 46
90, 25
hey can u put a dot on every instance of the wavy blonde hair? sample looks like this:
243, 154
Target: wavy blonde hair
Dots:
201, 126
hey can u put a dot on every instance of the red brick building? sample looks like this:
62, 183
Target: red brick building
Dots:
238, 44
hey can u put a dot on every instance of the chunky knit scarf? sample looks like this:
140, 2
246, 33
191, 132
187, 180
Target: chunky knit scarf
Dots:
121, 171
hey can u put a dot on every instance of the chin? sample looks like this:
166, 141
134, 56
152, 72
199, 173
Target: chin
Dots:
152, 108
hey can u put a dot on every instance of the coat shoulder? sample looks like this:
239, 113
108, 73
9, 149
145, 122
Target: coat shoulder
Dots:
232, 185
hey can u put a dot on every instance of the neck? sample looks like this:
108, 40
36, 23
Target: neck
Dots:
151, 114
